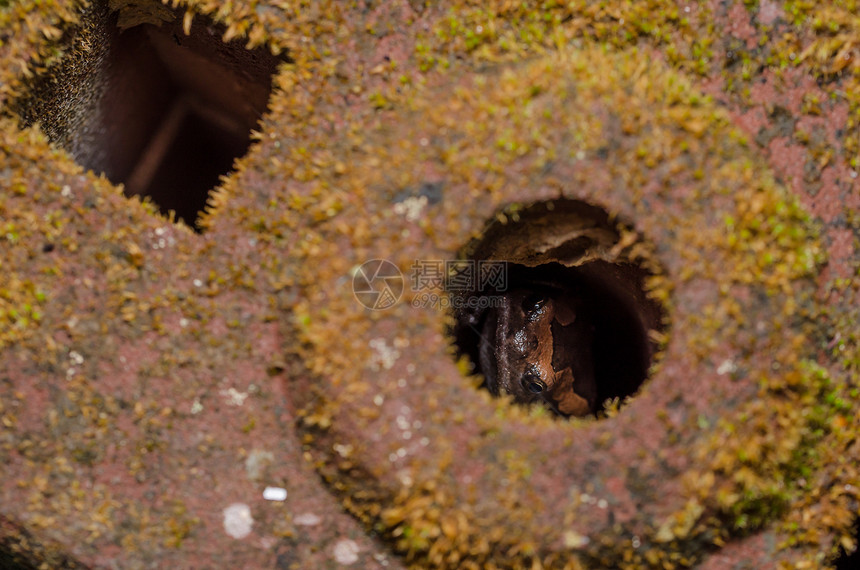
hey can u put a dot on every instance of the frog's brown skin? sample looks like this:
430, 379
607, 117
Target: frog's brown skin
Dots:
534, 348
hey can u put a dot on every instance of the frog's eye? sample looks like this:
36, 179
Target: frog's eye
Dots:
532, 382
533, 303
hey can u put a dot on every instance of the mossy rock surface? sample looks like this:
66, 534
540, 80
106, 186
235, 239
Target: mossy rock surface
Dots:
152, 376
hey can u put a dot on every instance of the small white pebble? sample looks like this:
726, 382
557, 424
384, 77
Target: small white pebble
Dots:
346, 552
238, 520
602, 504
198, 283
66, 191
275, 494
307, 519
196, 406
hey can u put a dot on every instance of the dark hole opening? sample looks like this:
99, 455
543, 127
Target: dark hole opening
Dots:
850, 561
571, 301
164, 113
22, 550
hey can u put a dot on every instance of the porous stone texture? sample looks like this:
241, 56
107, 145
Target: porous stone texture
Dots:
154, 381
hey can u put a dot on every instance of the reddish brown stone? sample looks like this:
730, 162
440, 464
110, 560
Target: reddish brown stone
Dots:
151, 377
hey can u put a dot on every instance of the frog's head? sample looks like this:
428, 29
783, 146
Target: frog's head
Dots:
521, 362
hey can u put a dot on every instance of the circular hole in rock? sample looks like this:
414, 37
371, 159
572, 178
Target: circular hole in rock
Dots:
559, 314
153, 103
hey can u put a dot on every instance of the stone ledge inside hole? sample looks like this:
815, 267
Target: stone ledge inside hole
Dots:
579, 248
162, 112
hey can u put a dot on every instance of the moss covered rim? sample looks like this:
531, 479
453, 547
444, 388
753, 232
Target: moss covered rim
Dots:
440, 467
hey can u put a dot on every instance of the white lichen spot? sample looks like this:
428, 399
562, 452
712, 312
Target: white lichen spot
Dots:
76, 358
257, 462
727, 367
66, 191
344, 450
196, 406
275, 494
234, 397
307, 519
238, 520
346, 552
378, 399
573, 539
198, 283
384, 356
411, 208
183, 322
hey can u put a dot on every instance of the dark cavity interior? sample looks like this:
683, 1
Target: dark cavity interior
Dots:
162, 112
570, 248
846, 560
